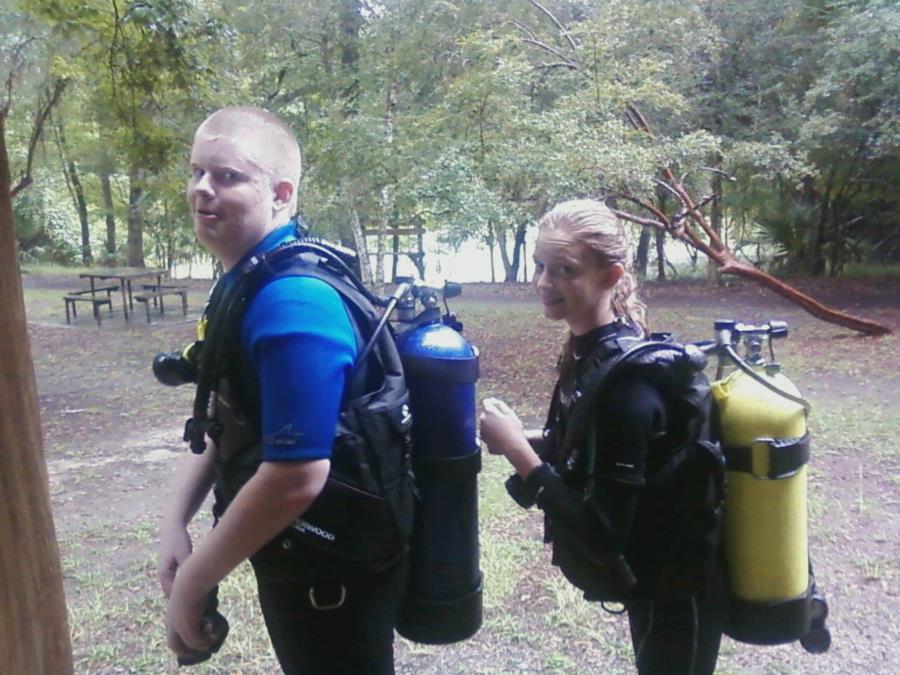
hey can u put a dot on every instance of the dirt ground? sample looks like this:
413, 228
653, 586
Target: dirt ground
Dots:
112, 441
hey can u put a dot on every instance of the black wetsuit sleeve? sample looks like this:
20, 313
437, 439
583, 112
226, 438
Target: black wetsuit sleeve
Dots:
569, 510
629, 418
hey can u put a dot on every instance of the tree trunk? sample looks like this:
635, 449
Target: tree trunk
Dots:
419, 258
512, 268
381, 236
816, 259
713, 277
490, 243
73, 183
34, 633
501, 246
169, 262
362, 250
660, 255
642, 255
109, 212
136, 217
524, 262
395, 253
387, 203
86, 257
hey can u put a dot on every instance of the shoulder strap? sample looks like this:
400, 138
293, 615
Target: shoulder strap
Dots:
316, 260
596, 379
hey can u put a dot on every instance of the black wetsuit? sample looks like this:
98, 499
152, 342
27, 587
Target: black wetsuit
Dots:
672, 633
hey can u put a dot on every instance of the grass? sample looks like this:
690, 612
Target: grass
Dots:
51, 269
878, 569
46, 304
115, 615
872, 271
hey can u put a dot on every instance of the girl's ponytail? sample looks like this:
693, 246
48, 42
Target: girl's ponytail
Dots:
627, 304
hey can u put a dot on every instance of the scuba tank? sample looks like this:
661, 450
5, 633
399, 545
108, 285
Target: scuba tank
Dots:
762, 428
444, 598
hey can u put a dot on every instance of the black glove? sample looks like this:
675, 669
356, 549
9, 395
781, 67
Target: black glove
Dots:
219, 630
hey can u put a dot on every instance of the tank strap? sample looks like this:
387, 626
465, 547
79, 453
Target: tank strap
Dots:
447, 468
450, 371
769, 458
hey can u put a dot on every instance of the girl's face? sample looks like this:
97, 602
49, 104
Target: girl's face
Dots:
572, 284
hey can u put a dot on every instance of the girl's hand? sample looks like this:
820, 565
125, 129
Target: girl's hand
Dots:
501, 429
504, 435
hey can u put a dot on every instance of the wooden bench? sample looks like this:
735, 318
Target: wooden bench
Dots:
89, 295
154, 293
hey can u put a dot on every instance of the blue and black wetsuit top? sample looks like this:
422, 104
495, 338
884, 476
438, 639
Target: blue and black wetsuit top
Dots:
285, 379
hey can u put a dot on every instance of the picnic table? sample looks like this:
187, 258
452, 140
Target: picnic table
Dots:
125, 277
155, 293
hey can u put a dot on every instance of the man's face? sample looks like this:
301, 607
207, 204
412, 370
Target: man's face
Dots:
230, 193
571, 283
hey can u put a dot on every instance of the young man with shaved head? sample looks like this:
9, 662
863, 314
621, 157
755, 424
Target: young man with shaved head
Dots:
268, 460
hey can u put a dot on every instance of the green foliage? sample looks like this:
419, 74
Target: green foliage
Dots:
472, 118
43, 227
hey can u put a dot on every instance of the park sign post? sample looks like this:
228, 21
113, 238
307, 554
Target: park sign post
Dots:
34, 635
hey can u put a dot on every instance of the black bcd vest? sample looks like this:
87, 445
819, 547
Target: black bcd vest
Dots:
362, 520
673, 544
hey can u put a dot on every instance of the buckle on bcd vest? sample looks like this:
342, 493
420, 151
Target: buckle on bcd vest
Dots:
327, 606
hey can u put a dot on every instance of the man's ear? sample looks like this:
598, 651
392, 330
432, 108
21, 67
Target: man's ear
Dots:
284, 190
613, 274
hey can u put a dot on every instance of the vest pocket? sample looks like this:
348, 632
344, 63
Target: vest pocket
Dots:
606, 580
350, 524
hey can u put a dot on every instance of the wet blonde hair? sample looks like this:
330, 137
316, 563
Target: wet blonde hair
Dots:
594, 225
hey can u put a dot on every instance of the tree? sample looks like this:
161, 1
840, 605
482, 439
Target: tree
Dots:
34, 636
851, 131
76, 190
152, 66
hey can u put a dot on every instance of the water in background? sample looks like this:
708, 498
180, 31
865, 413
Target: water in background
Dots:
470, 263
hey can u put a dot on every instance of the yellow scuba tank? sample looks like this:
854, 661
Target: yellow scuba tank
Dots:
762, 428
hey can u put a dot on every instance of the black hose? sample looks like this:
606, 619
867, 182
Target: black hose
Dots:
740, 363
401, 290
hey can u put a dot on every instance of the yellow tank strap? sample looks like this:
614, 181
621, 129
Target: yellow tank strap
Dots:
769, 458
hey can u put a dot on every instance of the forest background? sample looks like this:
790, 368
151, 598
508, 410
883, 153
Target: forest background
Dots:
463, 120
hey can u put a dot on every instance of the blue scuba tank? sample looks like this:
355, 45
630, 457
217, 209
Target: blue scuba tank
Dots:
444, 599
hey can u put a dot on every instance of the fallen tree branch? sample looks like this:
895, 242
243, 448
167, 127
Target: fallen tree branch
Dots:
716, 250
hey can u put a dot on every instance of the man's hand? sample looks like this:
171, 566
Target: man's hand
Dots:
187, 631
174, 548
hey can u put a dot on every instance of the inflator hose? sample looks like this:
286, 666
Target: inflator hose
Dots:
761, 380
